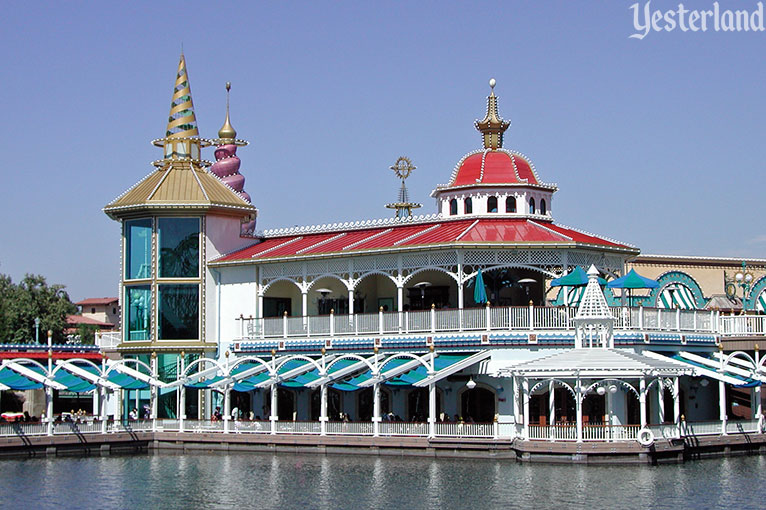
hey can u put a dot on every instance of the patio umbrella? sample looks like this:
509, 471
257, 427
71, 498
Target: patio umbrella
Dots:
577, 277
479, 292
632, 280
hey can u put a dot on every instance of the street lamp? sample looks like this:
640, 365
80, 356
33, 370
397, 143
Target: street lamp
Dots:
744, 278
37, 330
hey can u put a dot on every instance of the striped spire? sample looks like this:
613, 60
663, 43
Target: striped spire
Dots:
182, 123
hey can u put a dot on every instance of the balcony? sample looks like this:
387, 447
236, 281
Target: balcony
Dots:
507, 318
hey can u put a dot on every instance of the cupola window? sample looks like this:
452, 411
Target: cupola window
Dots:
510, 205
453, 207
542, 206
492, 204
531, 206
468, 206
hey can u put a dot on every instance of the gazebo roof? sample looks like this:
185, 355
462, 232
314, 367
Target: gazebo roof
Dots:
594, 362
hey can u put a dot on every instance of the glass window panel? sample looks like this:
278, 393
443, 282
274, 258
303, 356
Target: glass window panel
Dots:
178, 239
138, 320
138, 249
178, 312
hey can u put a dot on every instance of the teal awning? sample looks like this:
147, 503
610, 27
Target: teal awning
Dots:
16, 381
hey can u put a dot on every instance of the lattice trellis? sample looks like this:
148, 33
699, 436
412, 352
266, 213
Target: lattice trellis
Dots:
480, 257
415, 260
513, 257
545, 257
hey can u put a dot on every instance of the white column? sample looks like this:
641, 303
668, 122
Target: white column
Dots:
376, 409
400, 304
323, 409
460, 301
153, 393
304, 306
722, 406
676, 402
351, 303
226, 407
525, 396
182, 409
274, 415
660, 401
578, 403
432, 410
516, 412
102, 394
260, 306
642, 401
551, 408
609, 413
49, 409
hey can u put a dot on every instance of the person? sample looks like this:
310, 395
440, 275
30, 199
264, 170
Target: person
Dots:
147, 412
133, 414
217, 414
235, 414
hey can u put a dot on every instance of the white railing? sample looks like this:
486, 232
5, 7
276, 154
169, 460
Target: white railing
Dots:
742, 427
398, 428
465, 429
90, 427
506, 318
350, 428
293, 427
701, 428
671, 431
108, 339
23, 429
743, 325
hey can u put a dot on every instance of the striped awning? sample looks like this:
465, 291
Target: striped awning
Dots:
676, 295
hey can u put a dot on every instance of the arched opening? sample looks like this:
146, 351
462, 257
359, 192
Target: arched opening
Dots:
563, 404
468, 206
531, 206
334, 404
510, 205
286, 409
542, 206
328, 293
430, 287
453, 207
508, 286
373, 292
417, 404
477, 405
593, 409
240, 405
492, 204
280, 297
365, 403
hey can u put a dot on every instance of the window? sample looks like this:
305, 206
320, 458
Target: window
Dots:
92, 310
114, 311
138, 249
468, 206
178, 240
139, 303
492, 204
178, 314
510, 204
453, 207
542, 206
531, 206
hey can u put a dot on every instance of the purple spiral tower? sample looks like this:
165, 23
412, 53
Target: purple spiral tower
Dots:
227, 164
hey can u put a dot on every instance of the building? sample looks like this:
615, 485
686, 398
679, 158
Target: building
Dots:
447, 316
103, 310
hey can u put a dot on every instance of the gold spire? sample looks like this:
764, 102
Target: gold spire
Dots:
182, 123
227, 132
492, 126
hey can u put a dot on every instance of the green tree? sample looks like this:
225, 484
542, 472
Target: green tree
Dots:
32, 297
87, 333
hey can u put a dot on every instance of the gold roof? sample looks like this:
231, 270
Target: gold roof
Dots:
179, 185
492, 126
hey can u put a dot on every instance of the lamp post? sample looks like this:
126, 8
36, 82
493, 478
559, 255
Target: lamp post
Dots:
744, 278
37, 330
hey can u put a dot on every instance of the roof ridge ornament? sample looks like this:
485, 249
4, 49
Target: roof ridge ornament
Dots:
403, 168
492, 126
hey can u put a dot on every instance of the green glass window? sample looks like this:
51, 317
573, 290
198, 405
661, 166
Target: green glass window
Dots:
178, 312
178, 240
138, 249
139, 305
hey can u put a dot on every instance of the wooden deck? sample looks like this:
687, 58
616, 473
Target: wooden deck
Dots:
623, 452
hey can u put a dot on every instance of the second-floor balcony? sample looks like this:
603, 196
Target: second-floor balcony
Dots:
489, 318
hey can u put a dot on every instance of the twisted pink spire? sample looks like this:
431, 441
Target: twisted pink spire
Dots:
226, 167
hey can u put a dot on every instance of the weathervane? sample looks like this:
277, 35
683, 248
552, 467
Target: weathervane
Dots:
403, 168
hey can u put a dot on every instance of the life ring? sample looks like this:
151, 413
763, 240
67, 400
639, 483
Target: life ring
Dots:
645, 437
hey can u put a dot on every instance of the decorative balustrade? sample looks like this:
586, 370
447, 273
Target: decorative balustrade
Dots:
507, 318
743, 325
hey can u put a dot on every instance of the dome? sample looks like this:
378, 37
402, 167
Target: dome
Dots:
493, 167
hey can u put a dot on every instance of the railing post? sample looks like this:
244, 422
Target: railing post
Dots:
284, 324
433, 318
714, 326
273, 415
263, 327
531, 315
678, 319
49, 410
242, 325
694, 320
489, 316
332, 322
380, 320
641, 317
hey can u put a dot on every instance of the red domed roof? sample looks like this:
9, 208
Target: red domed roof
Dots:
494, 167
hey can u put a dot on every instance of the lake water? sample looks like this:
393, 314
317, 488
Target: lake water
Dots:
287, 481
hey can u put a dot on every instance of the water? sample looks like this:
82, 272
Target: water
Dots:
287, 481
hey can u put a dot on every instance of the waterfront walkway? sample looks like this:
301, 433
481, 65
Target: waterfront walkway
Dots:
669, 444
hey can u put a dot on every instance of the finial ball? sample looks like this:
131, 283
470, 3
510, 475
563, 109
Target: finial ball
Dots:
492, 83
228, 86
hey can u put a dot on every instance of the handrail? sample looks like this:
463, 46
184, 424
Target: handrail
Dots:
488, 318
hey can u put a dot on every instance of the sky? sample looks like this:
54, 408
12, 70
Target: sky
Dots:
658, 142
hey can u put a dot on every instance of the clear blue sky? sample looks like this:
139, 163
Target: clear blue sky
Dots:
658, 142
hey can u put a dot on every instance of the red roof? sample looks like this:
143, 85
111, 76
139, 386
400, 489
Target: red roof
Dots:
44, 355
434, 233
79, 319
97, 301
494, 167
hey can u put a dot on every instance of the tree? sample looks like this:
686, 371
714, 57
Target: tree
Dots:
33, 297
